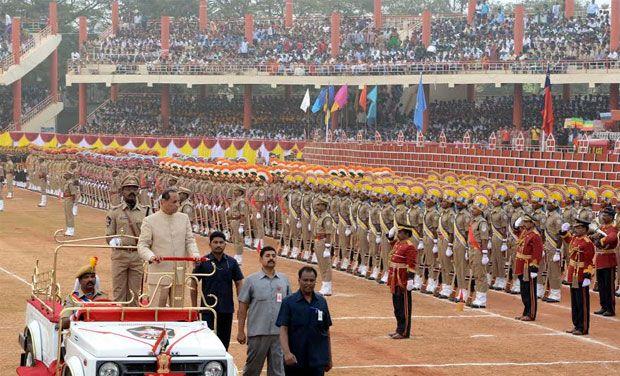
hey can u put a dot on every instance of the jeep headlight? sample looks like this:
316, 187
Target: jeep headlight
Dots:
109, 369
214, 369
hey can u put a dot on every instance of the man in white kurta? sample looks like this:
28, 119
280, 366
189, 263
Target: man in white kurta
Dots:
167, 233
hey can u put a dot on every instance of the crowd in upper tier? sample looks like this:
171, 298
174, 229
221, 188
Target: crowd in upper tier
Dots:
32, 94
306, 47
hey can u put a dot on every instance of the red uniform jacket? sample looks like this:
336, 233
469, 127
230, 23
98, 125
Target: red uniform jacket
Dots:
529, 251
402, 262
580, 257
605, 248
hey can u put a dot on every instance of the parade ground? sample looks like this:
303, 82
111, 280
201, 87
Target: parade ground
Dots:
444, 341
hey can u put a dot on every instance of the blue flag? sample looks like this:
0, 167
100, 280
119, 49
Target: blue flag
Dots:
331, 96
372, 96
371, 118
319, 102
420, 107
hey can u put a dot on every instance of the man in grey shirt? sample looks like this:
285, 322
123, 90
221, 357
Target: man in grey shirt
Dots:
259, 301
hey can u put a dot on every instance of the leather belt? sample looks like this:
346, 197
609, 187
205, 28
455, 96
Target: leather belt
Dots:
524, 256
398, 265
575, 263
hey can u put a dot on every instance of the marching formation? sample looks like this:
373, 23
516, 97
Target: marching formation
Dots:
468, 234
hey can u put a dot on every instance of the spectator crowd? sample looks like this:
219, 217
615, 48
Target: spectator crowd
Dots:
279, 117
305, 48
32, 94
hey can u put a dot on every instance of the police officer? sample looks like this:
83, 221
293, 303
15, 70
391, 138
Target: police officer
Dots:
478, 239
498, 220
70, 193
237, 216
9, 172
605, 262
324, 230
553, 246
124, 222
186, 206
528, 255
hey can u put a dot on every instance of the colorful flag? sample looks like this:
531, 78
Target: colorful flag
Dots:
326, 103
372, 96
420, 107
362, 100
547, 111
319, 102
305, 103
371, 118
340, 100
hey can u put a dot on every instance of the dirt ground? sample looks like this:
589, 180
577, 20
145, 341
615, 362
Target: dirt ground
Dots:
444, 341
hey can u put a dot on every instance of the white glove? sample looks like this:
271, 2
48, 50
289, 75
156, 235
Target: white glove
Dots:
309, 227
586, 282
258, 216
565, 227
518, 222
435, 248
327, 252
409, 284
556, 255
368, 236
392, 232
504, 247
298, 225
378, 239
533, 275
337, 231
466, 256
241, 230
420, 245
485, 257
489, 245
347, 231
115, 242
449, 251
287, 221
74, 210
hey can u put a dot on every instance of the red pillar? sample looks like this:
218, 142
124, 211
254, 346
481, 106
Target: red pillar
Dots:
335, 37
569, 8
614, 42
165, 35
247, 107
288, 14
471, 11
17, 85
53, 20
517, 111
613, 96
471, 92
165, 107
378, 15
203, 19
427, 118
566, 92
114, 92
115, 17
82, 105
426, 28
518, 29
249, 28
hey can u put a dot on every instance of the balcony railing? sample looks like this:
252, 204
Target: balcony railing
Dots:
92, 65
35, 111
26, 46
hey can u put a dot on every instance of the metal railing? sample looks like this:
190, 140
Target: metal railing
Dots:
92, 66
26, 46
39, 107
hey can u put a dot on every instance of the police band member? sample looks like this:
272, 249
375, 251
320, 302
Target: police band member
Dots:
400, 280
529, 249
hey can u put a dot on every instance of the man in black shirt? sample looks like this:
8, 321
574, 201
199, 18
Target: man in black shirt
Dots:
219, 284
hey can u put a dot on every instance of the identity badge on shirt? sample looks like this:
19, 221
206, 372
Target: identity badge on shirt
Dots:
279, 297
320, 315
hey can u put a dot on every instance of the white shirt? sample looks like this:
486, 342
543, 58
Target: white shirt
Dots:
592, 8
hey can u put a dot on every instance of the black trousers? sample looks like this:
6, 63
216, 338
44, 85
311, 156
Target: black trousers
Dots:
401, 299
224, 325
606, 279
308, 371
580, 307
528, 297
